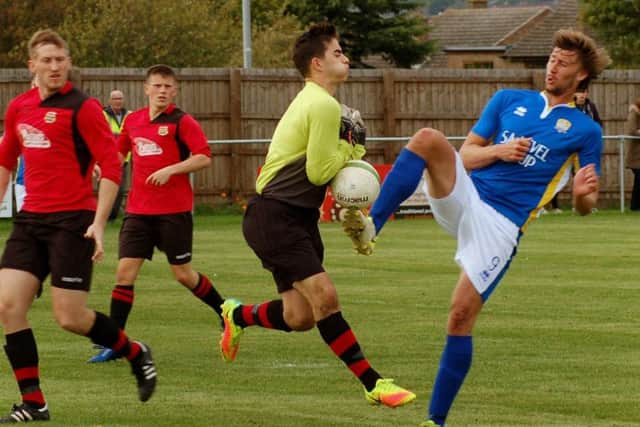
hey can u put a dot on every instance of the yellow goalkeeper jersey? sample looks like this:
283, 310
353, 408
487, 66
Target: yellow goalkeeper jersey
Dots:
305, 152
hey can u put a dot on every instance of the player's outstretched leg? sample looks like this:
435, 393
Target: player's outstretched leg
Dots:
360, 230
398, 185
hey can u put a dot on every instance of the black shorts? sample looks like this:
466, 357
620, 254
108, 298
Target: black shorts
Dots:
171, 233
286, 238
43, 243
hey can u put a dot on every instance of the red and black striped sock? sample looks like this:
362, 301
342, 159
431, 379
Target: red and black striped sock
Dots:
122, 297
208, 294
335, 331
268, 315
23, 356
106, 333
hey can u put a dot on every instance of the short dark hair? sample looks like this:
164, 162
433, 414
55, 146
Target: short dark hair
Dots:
594, 59
161, 69
47, 36
312, 44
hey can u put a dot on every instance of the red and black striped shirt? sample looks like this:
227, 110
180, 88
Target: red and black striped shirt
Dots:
168, 139
60, 138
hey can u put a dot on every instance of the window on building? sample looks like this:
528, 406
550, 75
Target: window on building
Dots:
478, 65
536, 64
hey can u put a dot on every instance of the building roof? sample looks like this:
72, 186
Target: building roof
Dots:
520, 31
481, 27
538, 41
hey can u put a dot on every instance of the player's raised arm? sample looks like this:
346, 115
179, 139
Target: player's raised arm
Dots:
327, 152
586, 187
476, 152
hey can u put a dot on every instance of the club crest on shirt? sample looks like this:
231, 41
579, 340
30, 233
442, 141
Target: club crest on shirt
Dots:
50, 117
33, 137
562, 125
146, 147
163, 130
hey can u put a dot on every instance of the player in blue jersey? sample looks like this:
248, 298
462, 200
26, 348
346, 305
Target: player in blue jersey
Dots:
520, 154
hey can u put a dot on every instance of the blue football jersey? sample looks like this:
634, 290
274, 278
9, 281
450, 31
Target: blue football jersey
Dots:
562, 137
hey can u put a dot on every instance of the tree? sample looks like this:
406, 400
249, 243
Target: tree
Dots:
272, 34
617, 23
190, 33
396, 29
19, 19
433, 7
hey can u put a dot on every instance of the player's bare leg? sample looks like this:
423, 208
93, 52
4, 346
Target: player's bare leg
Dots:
456, 357
428, 148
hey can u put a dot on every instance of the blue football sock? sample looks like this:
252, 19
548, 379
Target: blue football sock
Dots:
454, 365
398, 185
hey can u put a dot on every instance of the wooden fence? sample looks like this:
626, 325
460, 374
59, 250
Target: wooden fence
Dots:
236, 103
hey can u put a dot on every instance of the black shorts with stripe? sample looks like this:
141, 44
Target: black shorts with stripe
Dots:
286, 238
171, 233
52, 243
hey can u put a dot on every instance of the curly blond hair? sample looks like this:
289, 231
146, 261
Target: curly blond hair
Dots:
594, 59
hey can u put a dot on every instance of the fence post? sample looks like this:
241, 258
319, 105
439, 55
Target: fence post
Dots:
235, 126
389, 111
621, 173
537, 79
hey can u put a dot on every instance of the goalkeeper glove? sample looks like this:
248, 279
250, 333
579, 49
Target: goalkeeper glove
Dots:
352, 128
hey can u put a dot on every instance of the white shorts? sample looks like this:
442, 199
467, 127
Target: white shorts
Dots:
487, 240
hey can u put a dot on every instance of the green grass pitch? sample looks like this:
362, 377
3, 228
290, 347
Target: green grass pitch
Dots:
556, 345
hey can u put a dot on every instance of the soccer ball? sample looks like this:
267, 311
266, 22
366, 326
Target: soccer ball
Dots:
356, 185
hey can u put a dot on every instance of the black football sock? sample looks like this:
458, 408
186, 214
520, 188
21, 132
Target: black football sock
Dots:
208, 294
23, 356
335, 331
106, 333
122, 297
268, 315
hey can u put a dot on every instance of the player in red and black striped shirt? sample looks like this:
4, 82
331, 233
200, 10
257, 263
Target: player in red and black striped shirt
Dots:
166, 145
61, 133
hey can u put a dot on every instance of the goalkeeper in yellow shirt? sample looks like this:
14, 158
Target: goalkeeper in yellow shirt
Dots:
313, 140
